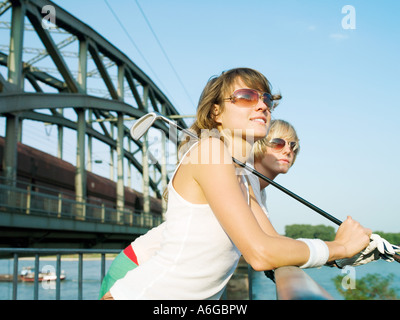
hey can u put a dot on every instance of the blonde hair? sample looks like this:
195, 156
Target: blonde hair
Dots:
279, 129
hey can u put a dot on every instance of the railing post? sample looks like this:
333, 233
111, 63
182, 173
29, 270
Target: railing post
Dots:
15, 277
80, 276
36, 283
103, 266
58, 279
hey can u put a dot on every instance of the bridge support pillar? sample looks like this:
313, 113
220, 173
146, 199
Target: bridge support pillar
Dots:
80, 176
16, 45
15, 77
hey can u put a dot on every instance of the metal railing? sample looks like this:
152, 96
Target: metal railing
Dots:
27, 201
292, 283
37, 253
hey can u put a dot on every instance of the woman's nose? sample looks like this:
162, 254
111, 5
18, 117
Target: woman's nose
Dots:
287, 149
261, 106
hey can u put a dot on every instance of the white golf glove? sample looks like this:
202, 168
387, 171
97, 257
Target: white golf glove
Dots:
378, 248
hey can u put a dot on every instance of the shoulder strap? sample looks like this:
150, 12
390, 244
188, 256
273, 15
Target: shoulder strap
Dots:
179, 163
246, 183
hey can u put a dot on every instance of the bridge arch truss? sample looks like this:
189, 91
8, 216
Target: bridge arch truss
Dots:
42, 85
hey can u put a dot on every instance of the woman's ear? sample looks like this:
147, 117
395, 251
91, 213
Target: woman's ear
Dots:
217, 113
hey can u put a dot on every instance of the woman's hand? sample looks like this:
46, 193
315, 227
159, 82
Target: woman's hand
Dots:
107, 296
352, 237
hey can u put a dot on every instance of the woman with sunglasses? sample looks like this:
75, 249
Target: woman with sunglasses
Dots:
143, 247
211, 218
276, 153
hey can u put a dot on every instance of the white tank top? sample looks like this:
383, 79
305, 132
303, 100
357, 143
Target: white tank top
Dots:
195, 261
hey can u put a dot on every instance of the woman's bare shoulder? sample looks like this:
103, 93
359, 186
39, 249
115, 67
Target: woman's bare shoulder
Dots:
210, 151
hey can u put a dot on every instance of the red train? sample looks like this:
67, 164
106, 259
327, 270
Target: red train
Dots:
53, 175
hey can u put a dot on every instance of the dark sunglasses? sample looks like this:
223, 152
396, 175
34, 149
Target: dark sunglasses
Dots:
249, 98
277, 144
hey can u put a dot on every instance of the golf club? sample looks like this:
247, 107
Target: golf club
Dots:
143, 124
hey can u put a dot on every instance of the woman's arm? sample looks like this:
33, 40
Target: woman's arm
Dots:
260, 215
262, 248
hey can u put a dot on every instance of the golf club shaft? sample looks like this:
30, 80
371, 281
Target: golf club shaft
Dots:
288, 192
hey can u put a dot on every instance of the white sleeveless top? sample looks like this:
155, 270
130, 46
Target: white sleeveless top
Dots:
195, 261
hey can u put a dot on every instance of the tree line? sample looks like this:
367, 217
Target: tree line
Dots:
327, 233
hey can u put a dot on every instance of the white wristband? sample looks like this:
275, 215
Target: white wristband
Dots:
319, 253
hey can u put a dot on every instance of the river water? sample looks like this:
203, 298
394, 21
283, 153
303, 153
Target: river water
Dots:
263, 288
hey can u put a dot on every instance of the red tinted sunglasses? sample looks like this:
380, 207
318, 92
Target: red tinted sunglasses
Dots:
277, 144
249, 98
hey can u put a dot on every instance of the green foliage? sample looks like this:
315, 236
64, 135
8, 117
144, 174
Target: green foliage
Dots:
393, 238
370, 287
326, 233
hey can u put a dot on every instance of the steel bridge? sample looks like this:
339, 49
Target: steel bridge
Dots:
79, 81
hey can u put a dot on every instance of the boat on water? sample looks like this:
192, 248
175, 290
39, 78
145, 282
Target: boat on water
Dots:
28, 275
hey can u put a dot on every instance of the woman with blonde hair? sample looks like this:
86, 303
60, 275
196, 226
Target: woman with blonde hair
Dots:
276, 153
211, 218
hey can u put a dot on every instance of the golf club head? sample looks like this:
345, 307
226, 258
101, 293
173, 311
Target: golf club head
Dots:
143, 124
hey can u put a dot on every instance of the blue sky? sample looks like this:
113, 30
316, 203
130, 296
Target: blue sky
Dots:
340, 87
